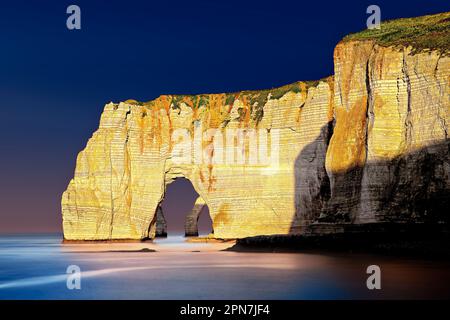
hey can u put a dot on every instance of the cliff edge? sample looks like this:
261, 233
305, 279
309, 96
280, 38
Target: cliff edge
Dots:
367, 145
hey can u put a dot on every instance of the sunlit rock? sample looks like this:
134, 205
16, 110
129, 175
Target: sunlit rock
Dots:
367, 145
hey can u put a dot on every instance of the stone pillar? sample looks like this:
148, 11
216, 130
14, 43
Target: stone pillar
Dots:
191, 226
161, 226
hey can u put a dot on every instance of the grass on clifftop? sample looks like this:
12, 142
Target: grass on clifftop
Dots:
254, 96
254, 99
426, 32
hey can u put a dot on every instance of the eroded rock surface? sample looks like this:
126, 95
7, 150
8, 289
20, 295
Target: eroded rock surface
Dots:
367, 145
191, 223
161, 225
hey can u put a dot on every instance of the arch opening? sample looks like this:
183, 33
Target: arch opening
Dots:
182, 211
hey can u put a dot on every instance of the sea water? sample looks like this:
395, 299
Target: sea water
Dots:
35, 267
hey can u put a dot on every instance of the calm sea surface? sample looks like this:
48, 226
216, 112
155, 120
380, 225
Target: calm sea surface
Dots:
34, 267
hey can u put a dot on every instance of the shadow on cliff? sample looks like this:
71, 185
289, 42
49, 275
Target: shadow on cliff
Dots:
312, 184
413, 187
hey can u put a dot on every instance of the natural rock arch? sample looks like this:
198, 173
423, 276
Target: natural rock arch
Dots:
384, 102
191, 222
191, 217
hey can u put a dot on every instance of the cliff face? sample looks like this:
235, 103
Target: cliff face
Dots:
388, 158
367, 145
122, 174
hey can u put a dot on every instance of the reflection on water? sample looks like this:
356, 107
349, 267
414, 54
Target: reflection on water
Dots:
33, 267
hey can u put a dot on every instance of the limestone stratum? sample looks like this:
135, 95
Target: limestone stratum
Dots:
367, 145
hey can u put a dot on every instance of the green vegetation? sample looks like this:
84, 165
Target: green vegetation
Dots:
241, 112
134, 102
255, 99
230, 97
257, 102
421, 33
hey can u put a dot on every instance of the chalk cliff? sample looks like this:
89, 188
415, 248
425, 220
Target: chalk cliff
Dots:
369, 144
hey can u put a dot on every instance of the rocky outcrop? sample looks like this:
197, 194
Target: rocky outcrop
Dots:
367, 145
122, 174
161, 225
191, 223
388, 158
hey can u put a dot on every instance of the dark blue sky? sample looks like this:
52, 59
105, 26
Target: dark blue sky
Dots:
54, 82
